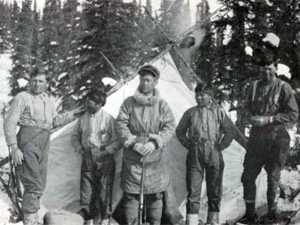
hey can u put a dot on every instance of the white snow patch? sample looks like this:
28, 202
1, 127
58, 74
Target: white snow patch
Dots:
53, 43
5, 214
284, 70
241, 4
74, 97
62, 75
82, 88
22, 82
227, 35
249, 50
273, 39
109, 81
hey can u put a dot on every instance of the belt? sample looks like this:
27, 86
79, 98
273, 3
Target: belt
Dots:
206, 142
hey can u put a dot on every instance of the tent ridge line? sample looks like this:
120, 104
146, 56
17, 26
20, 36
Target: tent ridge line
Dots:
122, 82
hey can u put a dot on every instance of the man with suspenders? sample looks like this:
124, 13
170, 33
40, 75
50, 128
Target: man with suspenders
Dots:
270, 108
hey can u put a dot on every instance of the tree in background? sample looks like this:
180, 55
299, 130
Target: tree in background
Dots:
111, 28
21, 56
5, 33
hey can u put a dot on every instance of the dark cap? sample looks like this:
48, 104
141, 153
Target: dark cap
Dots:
149, 69
204, 87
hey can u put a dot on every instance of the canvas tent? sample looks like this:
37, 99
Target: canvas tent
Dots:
63, 183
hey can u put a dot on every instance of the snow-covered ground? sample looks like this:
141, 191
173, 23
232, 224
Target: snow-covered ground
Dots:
5, 65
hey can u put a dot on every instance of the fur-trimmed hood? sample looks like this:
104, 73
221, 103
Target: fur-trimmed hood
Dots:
143, 100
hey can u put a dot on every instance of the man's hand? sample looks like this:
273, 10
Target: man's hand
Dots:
16, 154
129, 142
261, 121
217, 146
78, 110
102, 155
148, 148
138, 148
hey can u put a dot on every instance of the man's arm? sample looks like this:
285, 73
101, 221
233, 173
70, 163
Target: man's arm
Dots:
247, 106
10, 125
115, 142
122, 123
64, 118
11, 120
228, 129
168, 127
76, 137
182, 129
289, 105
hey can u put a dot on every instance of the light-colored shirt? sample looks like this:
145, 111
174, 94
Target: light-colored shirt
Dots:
95, 131
32, 110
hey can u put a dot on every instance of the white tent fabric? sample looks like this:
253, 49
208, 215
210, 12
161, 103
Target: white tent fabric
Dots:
63, 183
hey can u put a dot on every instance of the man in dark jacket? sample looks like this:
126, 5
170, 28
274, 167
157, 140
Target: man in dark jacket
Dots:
270, 108
205, 130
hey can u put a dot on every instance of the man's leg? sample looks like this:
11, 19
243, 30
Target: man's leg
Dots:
105, 177
278, 154
131, 208
154, 205
253, 163
34, 144
214, 178
86, 185
194, 178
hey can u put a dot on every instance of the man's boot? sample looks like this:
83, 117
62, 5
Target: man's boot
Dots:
212, 218
29, 219
192, 219
250, 217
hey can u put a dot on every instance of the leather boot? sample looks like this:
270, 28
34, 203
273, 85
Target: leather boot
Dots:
212, 218
192, 219
29, 219
250, 217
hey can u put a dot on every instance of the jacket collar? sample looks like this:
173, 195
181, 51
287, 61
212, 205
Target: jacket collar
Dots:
211, 105
143, 100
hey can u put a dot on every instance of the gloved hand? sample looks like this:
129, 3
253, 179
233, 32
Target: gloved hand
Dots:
261, 121
16, 154
148, 148
138, 148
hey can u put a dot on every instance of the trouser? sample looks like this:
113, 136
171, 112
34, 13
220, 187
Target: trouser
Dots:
96, 185
267, 146
152, 203
204, 157
34, 143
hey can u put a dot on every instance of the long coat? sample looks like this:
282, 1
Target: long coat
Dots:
140, 120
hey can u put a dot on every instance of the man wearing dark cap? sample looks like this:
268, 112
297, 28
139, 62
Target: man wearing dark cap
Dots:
145, 123
204, 130
270, 108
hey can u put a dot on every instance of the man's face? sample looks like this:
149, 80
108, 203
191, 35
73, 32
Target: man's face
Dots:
147, 83
202, 98
38, 84
91, 106
268, 72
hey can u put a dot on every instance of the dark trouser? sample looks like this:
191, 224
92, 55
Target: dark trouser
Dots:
152, 203
96, 185
267, 146
200, 159
34, 143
